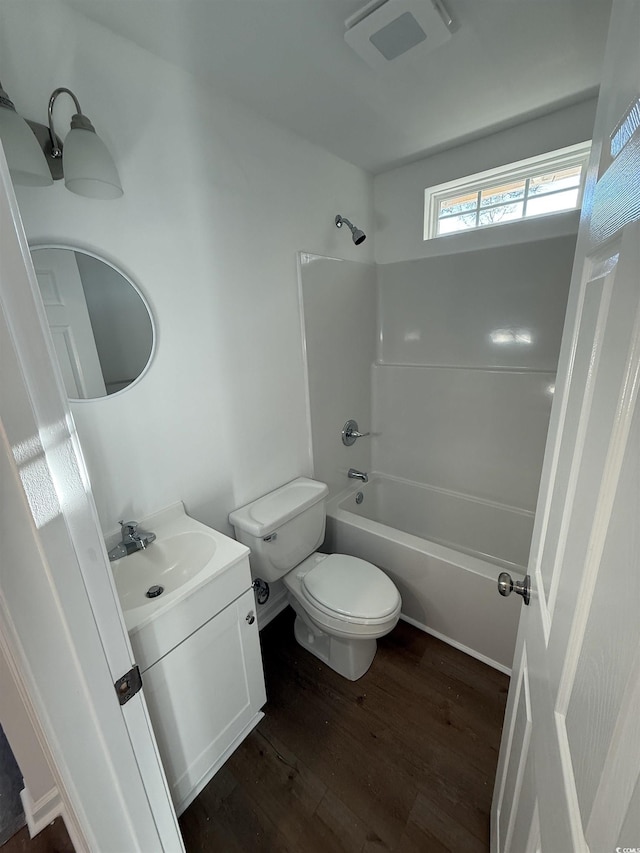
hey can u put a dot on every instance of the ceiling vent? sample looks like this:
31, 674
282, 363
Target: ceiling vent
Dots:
392, 30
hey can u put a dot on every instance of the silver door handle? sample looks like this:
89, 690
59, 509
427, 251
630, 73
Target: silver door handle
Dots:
506, 586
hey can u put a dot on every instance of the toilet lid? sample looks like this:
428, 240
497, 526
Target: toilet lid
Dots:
352, 587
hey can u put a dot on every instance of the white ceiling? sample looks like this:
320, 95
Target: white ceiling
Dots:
287, 59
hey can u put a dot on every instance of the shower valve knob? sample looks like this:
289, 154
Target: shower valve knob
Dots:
350, 433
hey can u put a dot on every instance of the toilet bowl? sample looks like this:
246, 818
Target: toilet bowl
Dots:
342, 604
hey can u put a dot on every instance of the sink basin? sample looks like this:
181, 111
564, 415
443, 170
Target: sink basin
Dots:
169, 562
184, 559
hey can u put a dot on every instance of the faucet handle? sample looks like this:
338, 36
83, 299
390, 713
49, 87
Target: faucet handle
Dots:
128, 527
350, 433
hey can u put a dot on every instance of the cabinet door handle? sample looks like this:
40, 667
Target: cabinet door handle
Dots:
250, 618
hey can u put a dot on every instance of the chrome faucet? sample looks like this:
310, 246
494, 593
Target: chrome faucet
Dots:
133, 539
354, 474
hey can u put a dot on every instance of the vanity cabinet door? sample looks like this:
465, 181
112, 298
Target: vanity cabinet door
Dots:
205, 696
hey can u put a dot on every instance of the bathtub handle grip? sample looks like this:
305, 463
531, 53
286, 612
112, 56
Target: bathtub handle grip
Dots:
506, 586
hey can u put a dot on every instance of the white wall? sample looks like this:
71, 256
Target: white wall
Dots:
340, 320
216, 204
399, 193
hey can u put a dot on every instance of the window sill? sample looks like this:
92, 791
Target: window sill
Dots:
524, 231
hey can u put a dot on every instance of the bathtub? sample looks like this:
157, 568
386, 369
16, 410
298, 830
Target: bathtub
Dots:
444, 551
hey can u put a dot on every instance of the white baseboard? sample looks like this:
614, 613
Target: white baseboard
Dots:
276, 604
42, 812
74, 832
477, 655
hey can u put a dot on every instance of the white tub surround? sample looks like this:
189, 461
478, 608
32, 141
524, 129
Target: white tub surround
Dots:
338, 303
467, 354
444, 552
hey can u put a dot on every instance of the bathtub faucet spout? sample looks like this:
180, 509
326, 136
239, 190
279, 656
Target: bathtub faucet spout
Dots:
354, 474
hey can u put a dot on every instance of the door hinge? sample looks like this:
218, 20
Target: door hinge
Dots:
127, 686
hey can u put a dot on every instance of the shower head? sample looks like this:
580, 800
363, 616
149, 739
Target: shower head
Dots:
357, 235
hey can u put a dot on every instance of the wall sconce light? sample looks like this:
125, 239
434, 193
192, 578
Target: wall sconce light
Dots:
37, 157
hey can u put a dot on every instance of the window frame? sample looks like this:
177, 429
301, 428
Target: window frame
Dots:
563, 158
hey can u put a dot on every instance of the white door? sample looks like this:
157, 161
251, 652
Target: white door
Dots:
59, 616
569, 768
69, 323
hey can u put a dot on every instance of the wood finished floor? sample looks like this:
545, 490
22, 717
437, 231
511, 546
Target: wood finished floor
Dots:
403, 759
53, 839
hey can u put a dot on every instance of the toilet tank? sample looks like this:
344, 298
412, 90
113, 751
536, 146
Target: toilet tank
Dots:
283, 527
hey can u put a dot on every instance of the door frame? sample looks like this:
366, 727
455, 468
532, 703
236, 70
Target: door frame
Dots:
55, 575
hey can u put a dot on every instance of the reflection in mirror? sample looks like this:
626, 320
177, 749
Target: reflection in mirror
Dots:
101, 326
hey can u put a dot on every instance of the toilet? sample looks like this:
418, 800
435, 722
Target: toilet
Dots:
342, 604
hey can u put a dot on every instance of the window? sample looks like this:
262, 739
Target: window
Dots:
536, 187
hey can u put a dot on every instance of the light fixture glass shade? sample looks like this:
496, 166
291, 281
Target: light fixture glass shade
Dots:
25, 158
88, 167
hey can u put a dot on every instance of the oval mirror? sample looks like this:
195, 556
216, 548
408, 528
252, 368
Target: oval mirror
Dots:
100, 323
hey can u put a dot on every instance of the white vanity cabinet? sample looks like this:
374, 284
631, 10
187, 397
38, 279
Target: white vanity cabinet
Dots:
195, 640
205, 696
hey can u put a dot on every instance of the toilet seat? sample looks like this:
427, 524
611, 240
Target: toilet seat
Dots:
330, 620
350, 588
